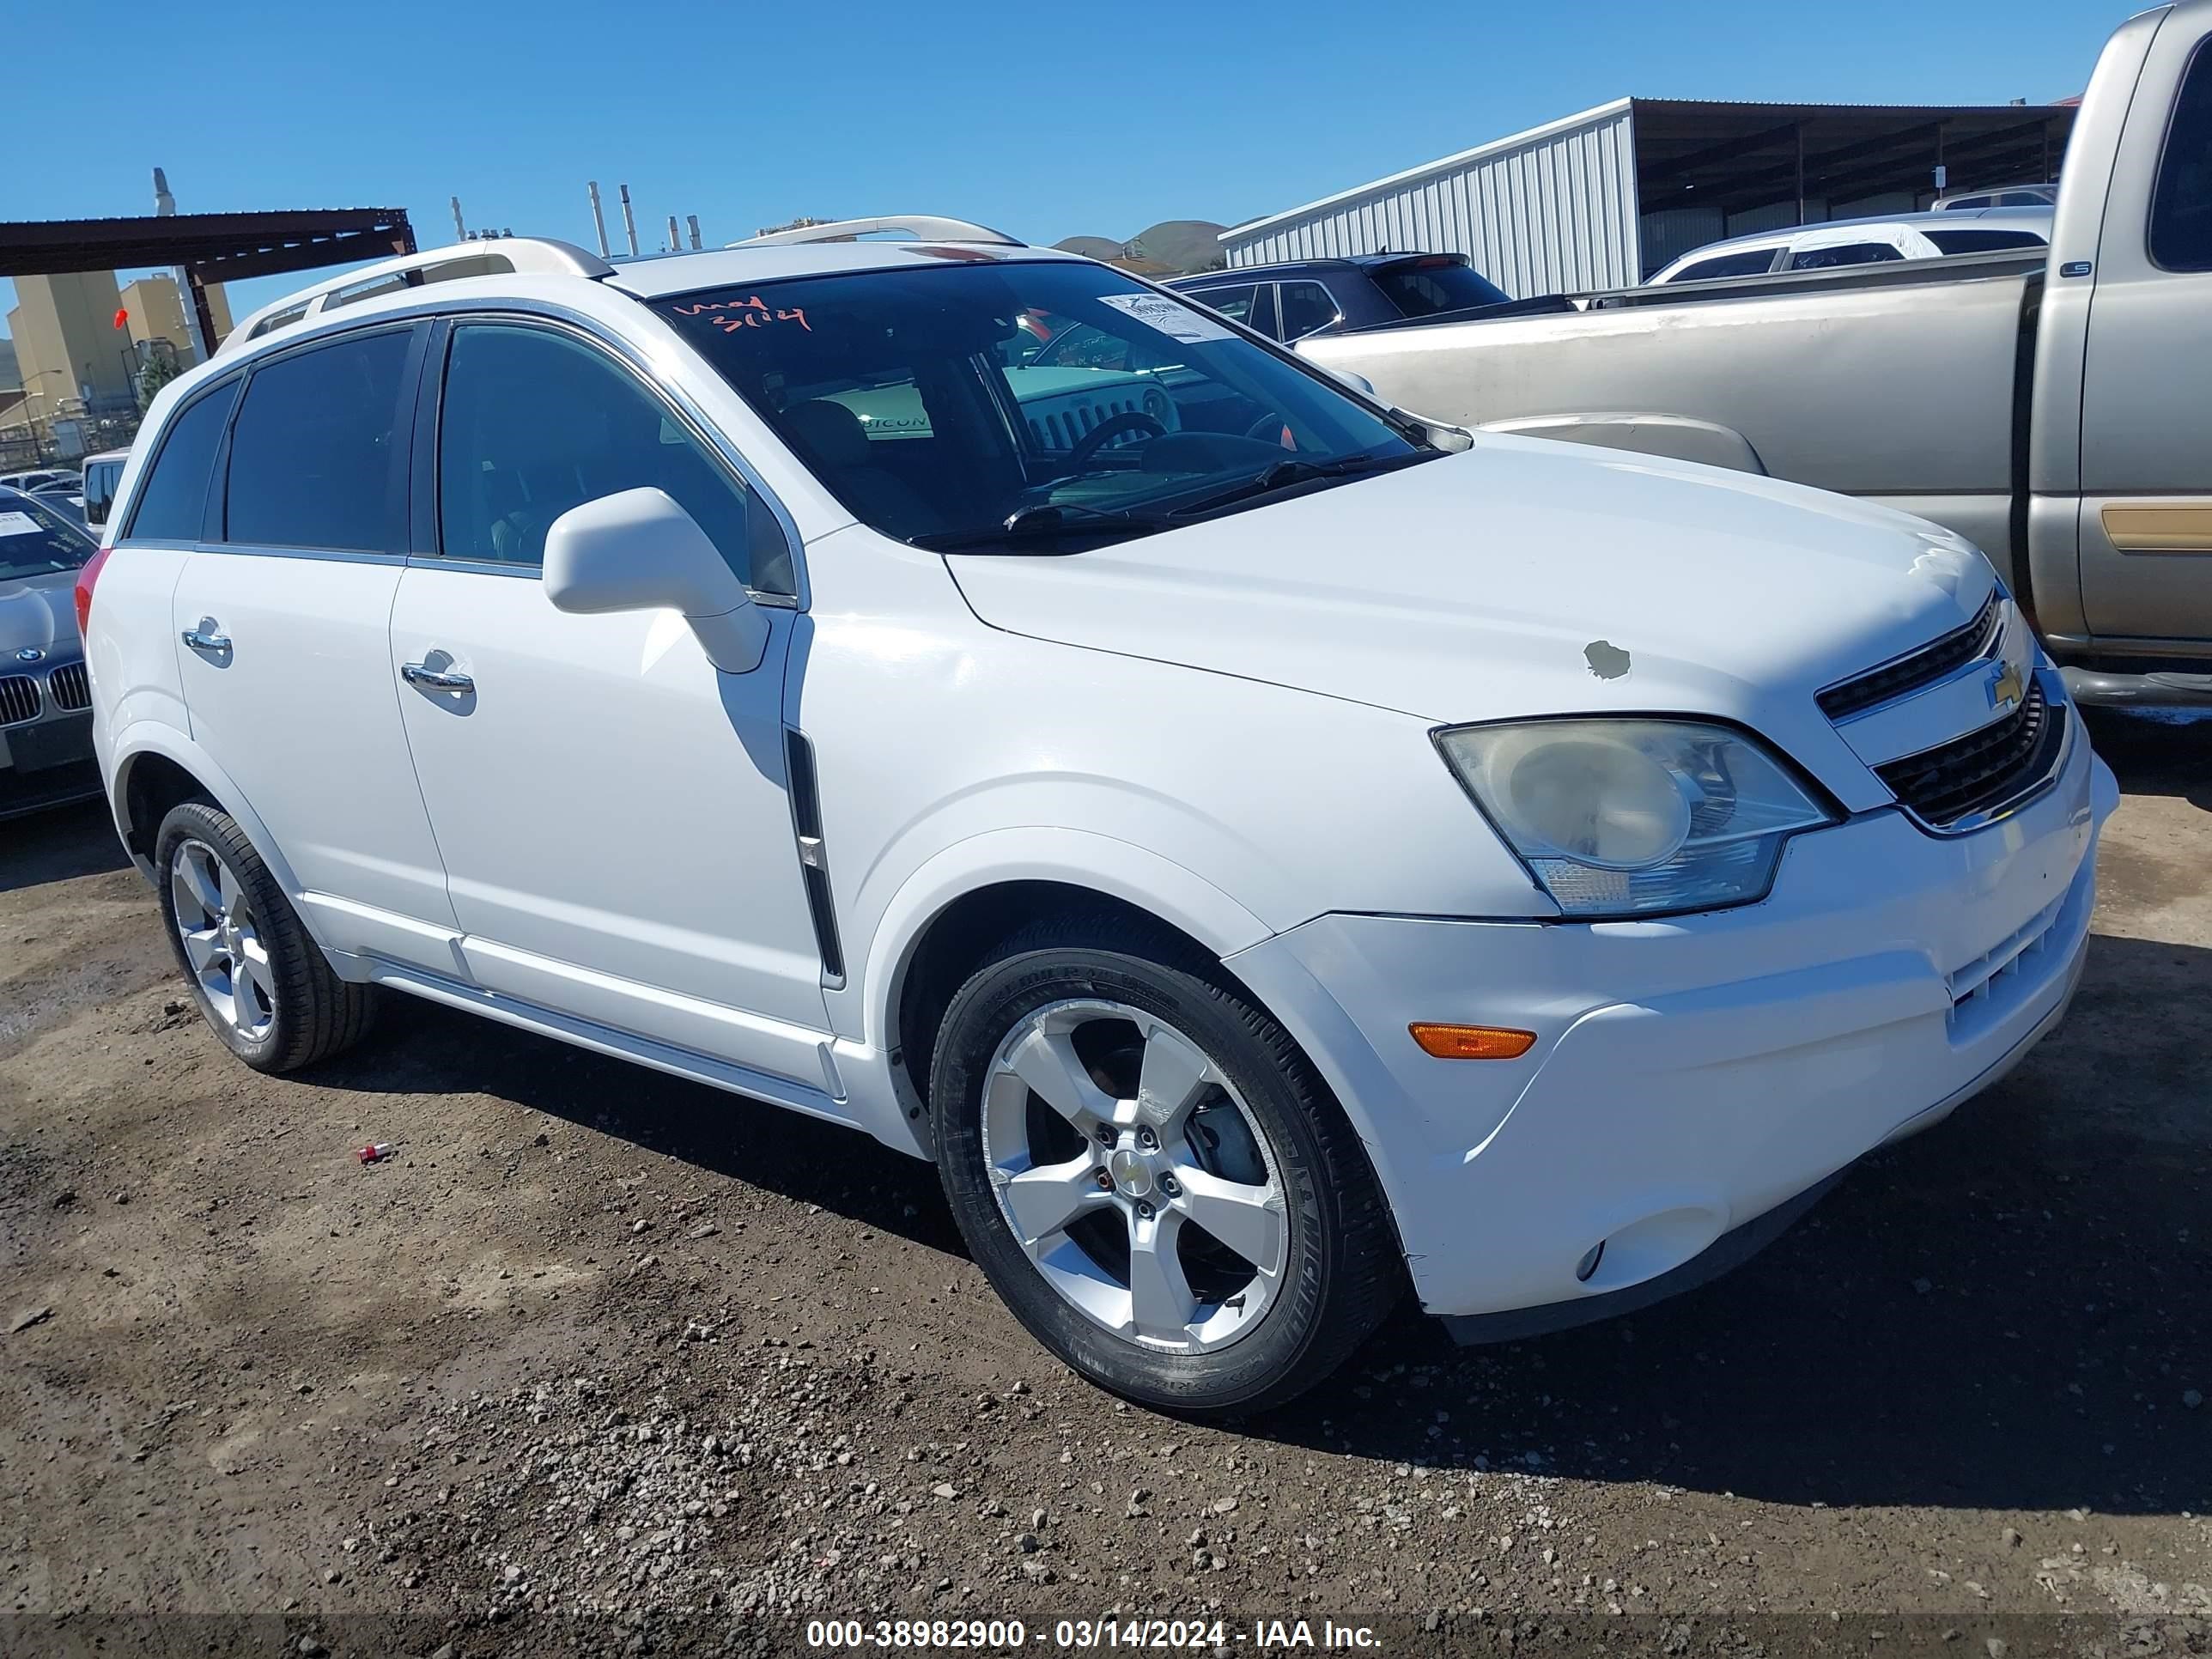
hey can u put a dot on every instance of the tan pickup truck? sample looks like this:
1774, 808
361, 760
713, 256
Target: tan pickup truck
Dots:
2059, 413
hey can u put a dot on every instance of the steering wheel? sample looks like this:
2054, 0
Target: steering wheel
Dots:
1268, 428
1088, 445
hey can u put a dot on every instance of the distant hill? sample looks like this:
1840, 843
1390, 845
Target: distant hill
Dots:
1170, 247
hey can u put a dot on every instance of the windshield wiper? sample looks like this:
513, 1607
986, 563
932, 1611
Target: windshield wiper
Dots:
1284, 474
1043, 520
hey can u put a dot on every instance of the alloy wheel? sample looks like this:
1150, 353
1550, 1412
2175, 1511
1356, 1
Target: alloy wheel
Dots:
1133, 1177
222, 940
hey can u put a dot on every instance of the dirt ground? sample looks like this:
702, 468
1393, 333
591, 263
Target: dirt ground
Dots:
599, 1351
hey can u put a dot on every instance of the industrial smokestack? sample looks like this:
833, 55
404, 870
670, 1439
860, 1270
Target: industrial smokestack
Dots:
692, 220
599, 218
164, 204
629, 219
675, 242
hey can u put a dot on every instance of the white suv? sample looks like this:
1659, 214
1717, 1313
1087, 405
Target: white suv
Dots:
1267, 855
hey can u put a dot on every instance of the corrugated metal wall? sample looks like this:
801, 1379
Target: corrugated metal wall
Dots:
1551, 212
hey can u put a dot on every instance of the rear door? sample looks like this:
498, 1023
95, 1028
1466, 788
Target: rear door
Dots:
2146, 523
281, 617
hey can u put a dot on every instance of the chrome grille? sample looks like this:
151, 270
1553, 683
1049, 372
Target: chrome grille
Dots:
70, 686
1971, 778
1930, 663
19, 699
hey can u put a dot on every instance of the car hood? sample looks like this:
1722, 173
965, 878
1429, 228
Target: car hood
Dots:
1519, 578
38, 613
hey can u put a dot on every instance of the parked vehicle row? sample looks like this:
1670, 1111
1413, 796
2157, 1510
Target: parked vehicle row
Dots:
2043, 404
1268, 848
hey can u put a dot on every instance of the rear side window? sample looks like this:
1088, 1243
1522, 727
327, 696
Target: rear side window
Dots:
1307, 307
2181, 204
317, 457
1848, 254
534, 422
1753, 262
172, 501
1981, 242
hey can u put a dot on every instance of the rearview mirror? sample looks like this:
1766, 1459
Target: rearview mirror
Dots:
639, 550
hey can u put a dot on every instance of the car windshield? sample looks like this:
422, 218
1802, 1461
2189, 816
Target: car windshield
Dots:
35, 540
1422, 287
991, 403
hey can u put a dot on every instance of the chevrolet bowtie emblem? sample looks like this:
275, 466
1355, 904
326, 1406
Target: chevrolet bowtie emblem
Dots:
2005, 687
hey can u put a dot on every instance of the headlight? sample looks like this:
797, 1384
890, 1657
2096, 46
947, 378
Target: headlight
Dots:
1627, 817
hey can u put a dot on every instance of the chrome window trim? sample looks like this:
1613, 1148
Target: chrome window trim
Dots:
458, 309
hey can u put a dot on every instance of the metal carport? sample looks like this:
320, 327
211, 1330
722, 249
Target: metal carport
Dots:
208, 247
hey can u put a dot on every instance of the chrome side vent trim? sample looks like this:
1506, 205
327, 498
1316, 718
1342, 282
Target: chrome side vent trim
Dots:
813, 856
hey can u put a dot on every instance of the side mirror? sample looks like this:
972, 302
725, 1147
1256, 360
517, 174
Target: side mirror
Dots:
639, 550
1358, 383
95, 512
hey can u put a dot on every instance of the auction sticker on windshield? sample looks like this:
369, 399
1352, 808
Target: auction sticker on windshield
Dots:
1171, 316
19, 524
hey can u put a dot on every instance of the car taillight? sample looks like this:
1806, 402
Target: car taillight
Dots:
85, 579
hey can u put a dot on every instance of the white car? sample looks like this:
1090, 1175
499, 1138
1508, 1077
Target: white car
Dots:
1843, 242
1266, 860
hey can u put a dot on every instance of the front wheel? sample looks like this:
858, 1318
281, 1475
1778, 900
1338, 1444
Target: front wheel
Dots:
1151, 1175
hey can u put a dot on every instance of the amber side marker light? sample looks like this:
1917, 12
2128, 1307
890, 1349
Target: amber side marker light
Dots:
1472, 1042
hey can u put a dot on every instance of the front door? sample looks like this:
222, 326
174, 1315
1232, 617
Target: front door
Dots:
2146, 524
613, 811
280, 618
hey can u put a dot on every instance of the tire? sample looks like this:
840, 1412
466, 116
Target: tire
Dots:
262, 984
1058, 993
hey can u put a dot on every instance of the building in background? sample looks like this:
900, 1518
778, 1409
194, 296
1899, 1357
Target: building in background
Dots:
69, 353
154, 310
1603, 198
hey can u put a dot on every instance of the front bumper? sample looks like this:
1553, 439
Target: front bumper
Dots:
1694, 1073
47, 762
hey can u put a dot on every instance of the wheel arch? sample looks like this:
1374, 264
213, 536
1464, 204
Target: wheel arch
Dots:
960, 902
154, 768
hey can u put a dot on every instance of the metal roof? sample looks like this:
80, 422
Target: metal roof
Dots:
1749, 148
220, 247
1428, 169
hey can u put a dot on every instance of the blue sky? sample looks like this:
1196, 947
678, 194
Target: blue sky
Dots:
1045, 120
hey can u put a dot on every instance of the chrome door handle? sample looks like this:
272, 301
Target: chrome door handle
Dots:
435, 679
208, 637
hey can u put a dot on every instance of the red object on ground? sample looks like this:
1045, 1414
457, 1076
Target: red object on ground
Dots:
377, 1152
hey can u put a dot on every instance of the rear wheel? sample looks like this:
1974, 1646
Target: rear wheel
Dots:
1151, 1175
262, 984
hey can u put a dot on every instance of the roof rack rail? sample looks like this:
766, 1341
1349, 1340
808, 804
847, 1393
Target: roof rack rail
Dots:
494, 256
922, 227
